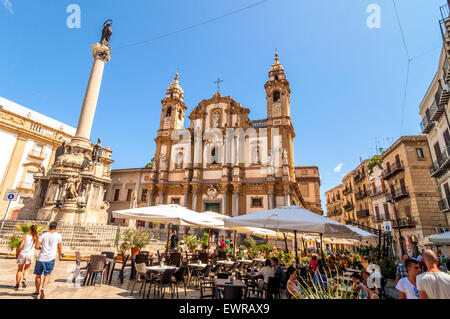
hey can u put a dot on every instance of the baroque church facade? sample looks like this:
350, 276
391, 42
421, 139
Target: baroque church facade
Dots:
223, 161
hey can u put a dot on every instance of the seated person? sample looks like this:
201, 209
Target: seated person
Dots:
359, 289
267, 271
320, 279
293, 286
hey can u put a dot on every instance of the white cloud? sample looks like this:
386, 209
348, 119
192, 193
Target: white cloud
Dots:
338, 168
8, 6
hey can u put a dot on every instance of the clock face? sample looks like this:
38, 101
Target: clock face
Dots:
276, 107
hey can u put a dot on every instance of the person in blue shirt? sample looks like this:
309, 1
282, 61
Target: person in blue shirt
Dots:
319, 278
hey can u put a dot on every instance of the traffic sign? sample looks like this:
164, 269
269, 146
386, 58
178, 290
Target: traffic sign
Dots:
11, 194
387, 226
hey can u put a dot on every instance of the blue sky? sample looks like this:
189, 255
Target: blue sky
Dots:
347, 80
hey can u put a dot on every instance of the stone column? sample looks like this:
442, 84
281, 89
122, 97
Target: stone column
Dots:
150, 197
186, 195
224, 202
271, 197
195, 190
161, 197
101, 54
235, 203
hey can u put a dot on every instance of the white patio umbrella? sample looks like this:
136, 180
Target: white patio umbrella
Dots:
440, 239
169, 214
296, 219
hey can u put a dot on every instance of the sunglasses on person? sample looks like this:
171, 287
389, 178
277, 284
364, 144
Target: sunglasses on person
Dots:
416, 291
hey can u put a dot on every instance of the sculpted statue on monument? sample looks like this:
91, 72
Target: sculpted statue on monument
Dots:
106, 33
97, 151
284, 157
72, 186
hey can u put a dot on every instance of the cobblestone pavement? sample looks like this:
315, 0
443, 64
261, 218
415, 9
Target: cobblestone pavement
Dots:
60, 286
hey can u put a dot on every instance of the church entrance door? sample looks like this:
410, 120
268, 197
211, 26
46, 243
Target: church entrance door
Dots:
213, 207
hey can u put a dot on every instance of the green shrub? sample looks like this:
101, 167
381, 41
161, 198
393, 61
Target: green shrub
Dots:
388, 268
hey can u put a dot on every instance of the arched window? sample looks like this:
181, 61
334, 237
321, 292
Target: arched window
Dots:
169, 112
276, 77
276, 96
214, 155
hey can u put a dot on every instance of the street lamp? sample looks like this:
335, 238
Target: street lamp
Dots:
397, 220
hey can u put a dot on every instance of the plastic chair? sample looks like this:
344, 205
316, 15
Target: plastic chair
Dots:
207, 290
78, 268
121, 270
162, 281
142, 275
96, 266
232, 292
178, 278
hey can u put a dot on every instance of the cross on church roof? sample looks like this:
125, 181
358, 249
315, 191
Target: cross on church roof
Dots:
218, 81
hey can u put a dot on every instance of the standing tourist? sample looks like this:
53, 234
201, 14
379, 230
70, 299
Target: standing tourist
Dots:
434, 284
407, 287
48, 243
401, 270
25, 256
174, 240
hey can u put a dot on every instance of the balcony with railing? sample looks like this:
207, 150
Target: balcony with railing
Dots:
347, 190
444, 205
361, 194
363, 213
393, 169
406, 222
441, 164
397, 194
427, 124
359, 177
37, 154
436, 111
348, 206
378, 190
379, 219
258, 123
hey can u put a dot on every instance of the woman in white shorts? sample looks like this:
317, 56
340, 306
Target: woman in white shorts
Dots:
26, 256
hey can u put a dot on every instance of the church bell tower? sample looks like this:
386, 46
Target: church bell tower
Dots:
278, 95
173, 107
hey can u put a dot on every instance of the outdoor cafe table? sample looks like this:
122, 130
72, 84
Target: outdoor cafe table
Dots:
245, 261
191, 268
159, 269
261, 260
225, 262
219, 283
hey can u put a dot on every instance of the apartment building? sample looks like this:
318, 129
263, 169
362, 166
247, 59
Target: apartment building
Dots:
363, 205
349, 197
335, 203
434, 111
412, 193
29, 141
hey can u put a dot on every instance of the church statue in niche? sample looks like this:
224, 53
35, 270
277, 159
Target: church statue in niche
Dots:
216, 119
179, 160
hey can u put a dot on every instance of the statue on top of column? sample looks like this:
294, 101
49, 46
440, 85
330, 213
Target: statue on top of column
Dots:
106, 33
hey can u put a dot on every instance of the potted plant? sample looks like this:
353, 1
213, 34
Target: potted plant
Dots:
191, 242
139, 239
14, 243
